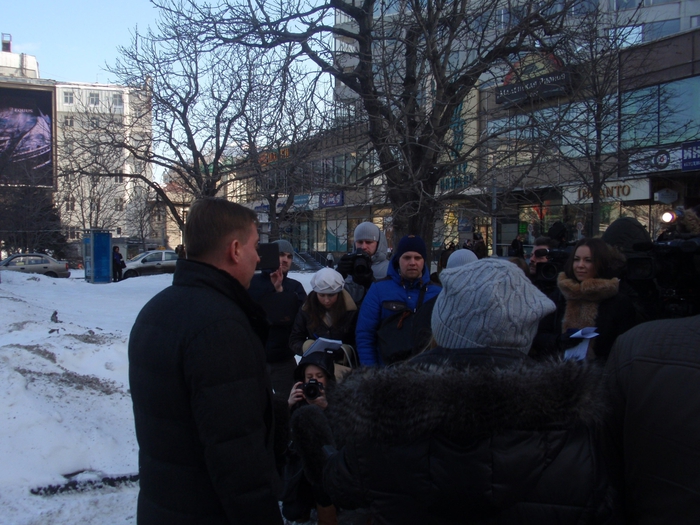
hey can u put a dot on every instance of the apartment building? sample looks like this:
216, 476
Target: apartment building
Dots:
72, 150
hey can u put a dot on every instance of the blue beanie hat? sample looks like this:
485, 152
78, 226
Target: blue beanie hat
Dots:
410, 243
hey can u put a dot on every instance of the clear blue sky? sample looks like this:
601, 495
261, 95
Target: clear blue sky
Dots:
73, 39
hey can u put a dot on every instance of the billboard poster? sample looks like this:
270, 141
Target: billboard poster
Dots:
26, 142
329, 200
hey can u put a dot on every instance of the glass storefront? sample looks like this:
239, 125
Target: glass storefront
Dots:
535, 221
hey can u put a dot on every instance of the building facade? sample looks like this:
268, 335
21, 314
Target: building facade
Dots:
75, 149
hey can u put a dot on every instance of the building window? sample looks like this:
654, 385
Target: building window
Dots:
694, 21
70, 204
656, 30
68, 121
94, 122
117, 100
119, 178
94, 99
68, 98
118, 204
119, 231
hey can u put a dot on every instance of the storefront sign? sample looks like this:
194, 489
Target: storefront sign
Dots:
624, 190
653, 160
690, 156
666, 196
536, 76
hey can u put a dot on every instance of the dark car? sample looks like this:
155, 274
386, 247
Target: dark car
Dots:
151, 263
35, 263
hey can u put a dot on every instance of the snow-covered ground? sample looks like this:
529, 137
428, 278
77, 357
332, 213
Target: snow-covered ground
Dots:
64, 396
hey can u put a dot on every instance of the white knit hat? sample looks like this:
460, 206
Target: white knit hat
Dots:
327, 281
489, 303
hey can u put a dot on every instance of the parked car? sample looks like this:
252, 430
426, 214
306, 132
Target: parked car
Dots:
35, 263
150, 263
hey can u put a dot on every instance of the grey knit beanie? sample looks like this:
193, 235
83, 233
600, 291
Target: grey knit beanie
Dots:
489, 303
366, 231
460, 258
285, 246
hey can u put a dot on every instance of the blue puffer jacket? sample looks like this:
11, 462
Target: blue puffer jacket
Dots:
393, 288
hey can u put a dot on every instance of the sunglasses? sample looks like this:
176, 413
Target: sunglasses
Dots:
541, 252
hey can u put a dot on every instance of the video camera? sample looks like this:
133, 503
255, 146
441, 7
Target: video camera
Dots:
357, 264
547, 272
674, 267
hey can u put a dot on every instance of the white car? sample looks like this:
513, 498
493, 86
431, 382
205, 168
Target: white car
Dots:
35, 263
151, 263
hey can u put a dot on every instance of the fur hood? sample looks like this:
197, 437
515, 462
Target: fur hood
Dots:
583, 298
404, 403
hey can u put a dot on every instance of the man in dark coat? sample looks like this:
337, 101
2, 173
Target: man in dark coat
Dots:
200, 389
281, 297
652, 376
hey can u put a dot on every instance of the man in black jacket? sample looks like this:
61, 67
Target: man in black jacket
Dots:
652, 376
281, 298
200, 389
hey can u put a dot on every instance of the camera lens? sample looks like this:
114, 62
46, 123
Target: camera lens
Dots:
548, 271
312, 389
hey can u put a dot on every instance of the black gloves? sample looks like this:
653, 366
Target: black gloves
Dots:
346, 264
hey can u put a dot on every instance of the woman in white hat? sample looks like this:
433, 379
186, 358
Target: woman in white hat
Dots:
328, 312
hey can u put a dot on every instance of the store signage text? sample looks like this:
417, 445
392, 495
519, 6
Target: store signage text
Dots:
691, 156
619, 191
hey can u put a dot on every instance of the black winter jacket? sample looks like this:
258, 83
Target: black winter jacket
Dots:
281, 309
343, 330
652, 376
203, 404
471, 436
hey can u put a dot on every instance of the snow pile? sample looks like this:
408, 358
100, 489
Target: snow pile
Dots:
64, 400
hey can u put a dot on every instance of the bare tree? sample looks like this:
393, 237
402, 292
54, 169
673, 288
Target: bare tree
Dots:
211, 110
141, 214
408, 66
92, 189
29, 222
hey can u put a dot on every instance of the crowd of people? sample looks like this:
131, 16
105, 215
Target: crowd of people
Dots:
478, 394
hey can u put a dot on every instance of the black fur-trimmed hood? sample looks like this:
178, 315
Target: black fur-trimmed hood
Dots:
405, 403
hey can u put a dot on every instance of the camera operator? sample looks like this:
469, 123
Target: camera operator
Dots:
540, 255
314, 375
315, 369
368, 263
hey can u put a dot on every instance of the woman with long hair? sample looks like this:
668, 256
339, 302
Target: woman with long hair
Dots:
328, 312
587, 295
